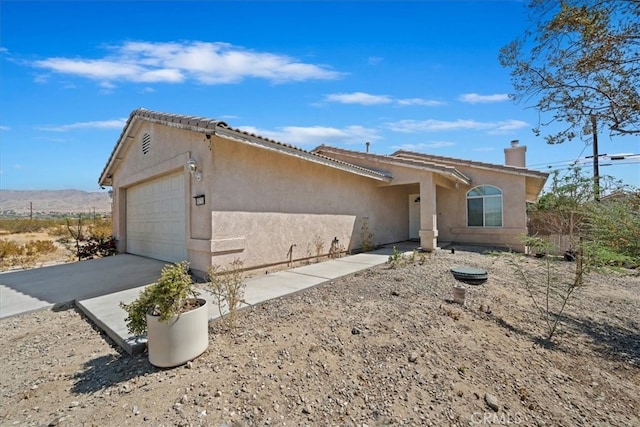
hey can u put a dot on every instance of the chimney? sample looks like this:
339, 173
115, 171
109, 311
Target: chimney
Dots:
515, 155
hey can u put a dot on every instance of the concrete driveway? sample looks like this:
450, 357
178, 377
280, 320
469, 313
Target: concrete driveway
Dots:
50, 287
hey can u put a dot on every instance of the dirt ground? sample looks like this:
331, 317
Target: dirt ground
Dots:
385, 346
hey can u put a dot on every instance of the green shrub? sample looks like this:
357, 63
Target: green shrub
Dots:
166, 298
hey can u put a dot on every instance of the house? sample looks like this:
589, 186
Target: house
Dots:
191, 188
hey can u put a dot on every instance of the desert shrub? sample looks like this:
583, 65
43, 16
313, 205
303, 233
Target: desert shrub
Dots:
97, 248
25, 225
90, 238
10, 249
609, 226
227, 286
59, 231
99, 229
547, 288
606, 257
25, 256
614, 223
39, 247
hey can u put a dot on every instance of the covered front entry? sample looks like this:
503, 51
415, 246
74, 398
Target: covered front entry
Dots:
156, 219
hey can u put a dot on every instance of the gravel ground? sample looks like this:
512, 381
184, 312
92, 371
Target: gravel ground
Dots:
385, 346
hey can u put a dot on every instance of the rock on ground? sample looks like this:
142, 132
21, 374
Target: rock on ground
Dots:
385, 346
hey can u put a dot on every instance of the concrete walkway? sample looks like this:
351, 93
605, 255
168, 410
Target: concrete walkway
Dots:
107, 314
98, 286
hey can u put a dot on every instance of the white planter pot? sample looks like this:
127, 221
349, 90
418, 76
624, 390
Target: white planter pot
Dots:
179, 340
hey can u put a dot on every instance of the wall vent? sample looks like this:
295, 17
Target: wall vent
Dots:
146, 143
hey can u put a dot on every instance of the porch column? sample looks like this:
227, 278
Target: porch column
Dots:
428, 214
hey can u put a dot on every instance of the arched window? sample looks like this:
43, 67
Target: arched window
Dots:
484, 206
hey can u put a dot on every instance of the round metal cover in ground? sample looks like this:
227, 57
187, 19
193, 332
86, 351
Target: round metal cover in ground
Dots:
470, 275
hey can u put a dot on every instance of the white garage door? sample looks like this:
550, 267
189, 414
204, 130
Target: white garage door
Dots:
156, 219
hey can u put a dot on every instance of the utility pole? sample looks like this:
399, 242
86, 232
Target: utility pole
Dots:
596, 158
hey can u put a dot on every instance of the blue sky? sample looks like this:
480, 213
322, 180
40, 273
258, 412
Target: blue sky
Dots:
418, 75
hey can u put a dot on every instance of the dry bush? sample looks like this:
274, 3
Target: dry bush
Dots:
99, 229
227, 286
40, 247
25, 256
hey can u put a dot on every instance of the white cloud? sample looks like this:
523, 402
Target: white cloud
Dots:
508, 126
474, 98
419, 101
363, 98
415, 126
228, 116
41, 78
106, 71
317, 135
358, 98
5, 128
105, 124
206, 63
425, 146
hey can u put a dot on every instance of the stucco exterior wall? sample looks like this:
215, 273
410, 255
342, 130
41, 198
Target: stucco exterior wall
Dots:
263, 202
514, 218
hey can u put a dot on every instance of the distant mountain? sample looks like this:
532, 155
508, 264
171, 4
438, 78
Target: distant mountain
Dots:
53, 201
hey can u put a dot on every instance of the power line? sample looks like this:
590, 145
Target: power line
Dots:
585, 161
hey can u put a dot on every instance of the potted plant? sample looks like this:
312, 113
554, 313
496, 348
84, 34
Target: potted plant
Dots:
172, 315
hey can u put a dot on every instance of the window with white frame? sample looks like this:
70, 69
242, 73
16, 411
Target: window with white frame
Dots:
484, 206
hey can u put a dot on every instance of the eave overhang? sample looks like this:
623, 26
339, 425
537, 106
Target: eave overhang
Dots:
220, 129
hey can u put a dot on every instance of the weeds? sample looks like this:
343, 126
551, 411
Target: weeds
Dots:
396, 259
366, 236
227, 286
400, 259
318, 244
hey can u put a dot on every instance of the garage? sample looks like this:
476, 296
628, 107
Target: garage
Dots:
156, 219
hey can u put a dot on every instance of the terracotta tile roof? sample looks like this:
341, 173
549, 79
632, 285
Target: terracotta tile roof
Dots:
221, 129
460, 162
446, 170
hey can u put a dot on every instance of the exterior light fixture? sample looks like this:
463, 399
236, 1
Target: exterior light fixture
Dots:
200, 200
192, 165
